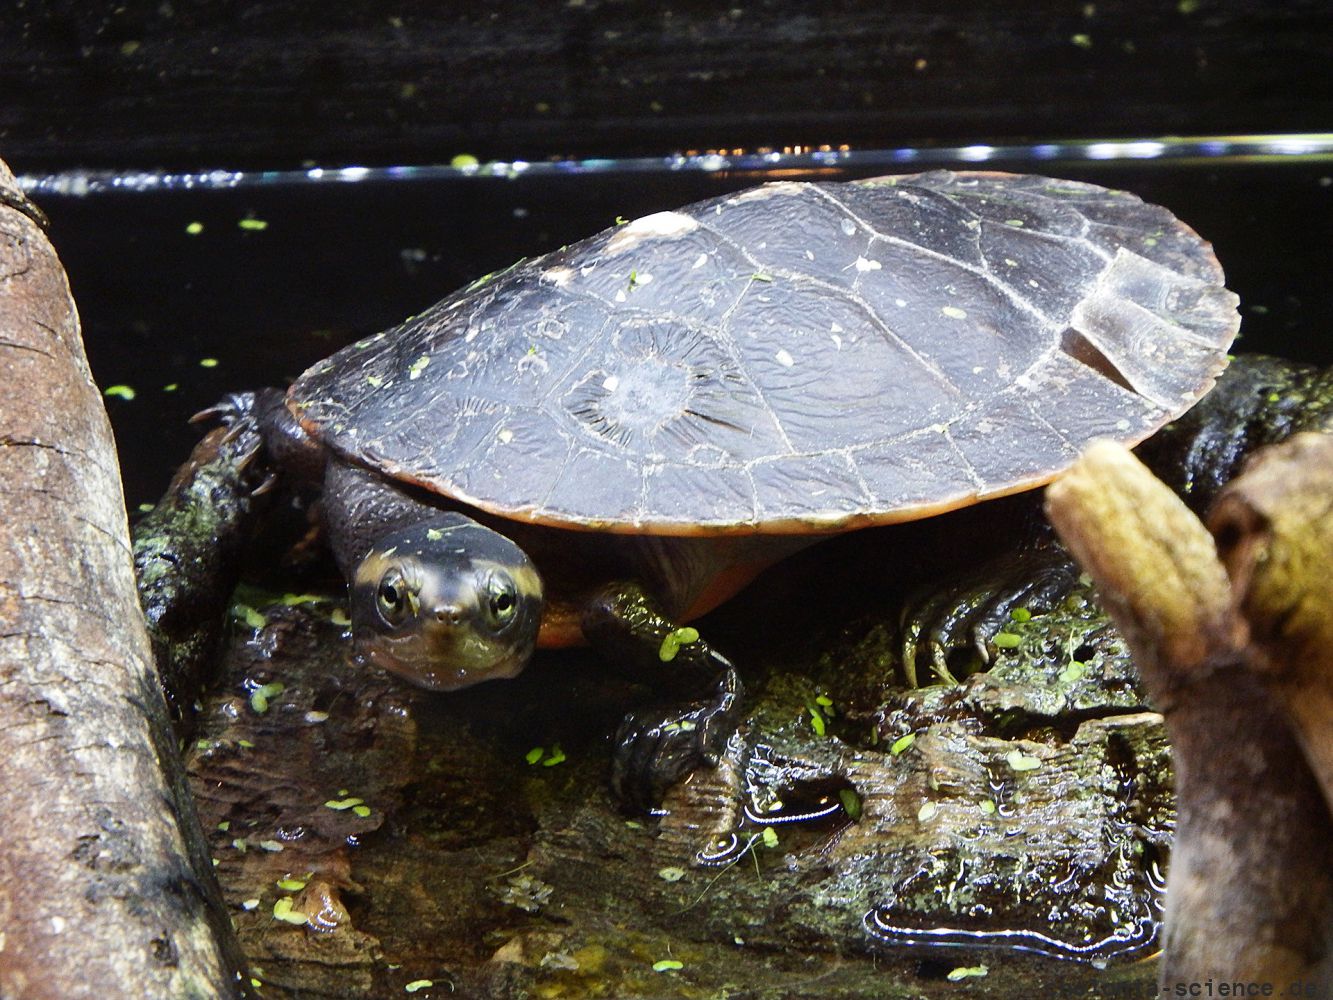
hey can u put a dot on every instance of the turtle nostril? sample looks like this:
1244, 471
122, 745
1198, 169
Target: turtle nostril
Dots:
449, 614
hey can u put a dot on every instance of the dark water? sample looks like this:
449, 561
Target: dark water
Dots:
286, 268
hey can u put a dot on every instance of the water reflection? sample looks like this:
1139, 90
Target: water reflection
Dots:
806, 160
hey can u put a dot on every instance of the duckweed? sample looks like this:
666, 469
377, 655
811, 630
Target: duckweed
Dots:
673, 640
1019, 761
285, 910
966, 971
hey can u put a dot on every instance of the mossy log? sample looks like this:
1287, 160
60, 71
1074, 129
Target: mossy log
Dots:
371, 836
106, 888
1237, 652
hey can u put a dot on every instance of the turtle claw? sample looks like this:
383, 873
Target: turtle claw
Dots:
270, 481
657, 747
962, 618
230, 410
247, 457
246, 417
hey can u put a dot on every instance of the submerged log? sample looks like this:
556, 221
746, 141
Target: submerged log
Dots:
1238, 658
371, 836
106, 888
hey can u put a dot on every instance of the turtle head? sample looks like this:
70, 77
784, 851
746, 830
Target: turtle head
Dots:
446, 603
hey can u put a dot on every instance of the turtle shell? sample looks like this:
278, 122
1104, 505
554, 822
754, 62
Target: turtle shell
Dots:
798, 357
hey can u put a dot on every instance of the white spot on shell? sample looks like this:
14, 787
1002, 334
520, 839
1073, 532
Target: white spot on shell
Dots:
953, 312
837, 341
642, 278
699, 261
505, 435
784, 357
848, 227
620, 295
900, 303
862, 264
662, 225
558, 276
764, 191
611, 383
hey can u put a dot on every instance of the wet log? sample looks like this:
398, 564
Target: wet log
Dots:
106, 888
187, 556
1237, 658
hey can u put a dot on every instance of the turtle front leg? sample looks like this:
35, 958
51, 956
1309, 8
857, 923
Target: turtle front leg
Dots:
657, 746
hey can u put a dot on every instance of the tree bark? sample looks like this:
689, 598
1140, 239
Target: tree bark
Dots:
1240, 665
1275, 535
103, 889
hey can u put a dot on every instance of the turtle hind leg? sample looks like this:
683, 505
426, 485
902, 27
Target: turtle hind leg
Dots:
657, 746
950, 628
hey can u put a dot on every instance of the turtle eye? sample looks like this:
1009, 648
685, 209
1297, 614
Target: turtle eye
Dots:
501, 600
391, 597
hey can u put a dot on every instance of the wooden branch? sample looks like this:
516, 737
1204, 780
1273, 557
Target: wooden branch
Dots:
1250, 892
105, 888
1274, 527
1154, 563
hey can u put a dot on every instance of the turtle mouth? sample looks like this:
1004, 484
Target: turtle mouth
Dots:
439, 659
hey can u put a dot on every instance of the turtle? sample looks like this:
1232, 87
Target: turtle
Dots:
601, 444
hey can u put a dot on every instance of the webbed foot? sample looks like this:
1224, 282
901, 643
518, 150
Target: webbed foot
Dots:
964, 615
658, 746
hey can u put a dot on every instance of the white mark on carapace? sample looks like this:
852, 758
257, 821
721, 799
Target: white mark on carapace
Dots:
663, 225
784, 357
559, 276
764, 191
